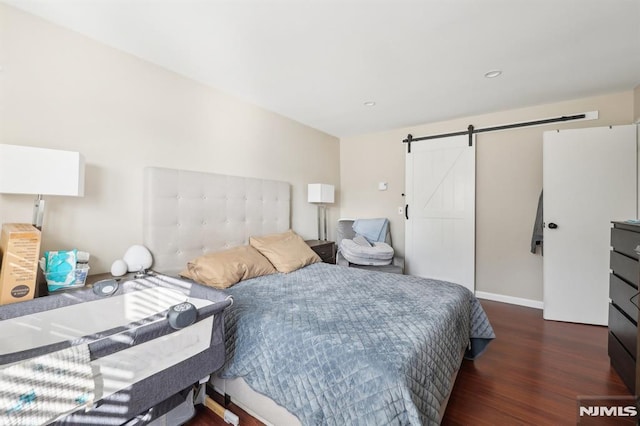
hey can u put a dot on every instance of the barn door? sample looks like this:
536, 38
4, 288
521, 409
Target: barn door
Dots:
440, 225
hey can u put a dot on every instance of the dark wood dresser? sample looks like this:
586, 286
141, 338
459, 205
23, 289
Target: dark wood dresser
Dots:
623, 292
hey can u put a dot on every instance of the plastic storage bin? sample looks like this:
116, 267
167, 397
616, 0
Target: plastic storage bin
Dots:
73, 279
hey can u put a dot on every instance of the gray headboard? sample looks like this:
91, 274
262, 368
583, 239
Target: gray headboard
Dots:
187, 214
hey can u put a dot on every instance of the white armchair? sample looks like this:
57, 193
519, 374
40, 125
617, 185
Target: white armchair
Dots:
345, 230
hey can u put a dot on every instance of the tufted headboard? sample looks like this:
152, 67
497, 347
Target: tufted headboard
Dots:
187, 214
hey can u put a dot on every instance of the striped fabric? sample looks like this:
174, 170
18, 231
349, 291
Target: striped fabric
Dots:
38, 390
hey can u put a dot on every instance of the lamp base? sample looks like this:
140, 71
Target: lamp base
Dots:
38, 212
322, 222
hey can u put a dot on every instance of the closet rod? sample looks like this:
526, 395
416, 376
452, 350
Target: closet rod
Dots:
471, 130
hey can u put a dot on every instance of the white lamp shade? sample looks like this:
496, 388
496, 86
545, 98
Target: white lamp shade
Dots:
321, 193
30, 170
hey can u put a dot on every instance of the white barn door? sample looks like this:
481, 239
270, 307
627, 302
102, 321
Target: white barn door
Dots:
589, 179
440, 225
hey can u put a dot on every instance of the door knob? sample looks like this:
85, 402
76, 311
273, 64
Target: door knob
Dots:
552, 225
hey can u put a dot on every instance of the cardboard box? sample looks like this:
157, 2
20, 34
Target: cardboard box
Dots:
19, 252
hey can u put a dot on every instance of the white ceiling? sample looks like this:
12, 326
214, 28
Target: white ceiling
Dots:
318, 61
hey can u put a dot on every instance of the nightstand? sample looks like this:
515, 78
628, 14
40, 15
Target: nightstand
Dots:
42, 289
92, 279
325, 249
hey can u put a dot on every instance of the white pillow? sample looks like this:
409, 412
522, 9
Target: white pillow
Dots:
362, 241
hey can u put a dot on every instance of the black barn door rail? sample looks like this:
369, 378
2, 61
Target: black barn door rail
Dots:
471, 130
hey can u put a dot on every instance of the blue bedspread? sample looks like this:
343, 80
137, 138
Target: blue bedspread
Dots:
345, 346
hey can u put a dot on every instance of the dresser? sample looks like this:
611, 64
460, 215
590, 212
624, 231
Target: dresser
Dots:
623, 292
325, 249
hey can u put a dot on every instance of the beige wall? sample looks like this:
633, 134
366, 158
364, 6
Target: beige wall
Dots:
636, 104
508, 184
61, 90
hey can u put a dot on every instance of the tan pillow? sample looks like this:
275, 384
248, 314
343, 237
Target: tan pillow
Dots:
225, 268
286, 251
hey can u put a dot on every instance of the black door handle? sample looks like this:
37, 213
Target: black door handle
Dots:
406, 211
552, 225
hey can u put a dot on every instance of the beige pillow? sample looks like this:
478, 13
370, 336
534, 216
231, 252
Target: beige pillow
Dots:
225, 268
286, 251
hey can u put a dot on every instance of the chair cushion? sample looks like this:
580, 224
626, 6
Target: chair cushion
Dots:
362, 241
377, 254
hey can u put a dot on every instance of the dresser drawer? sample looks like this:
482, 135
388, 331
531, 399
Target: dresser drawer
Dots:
624, 267
620, 293
625, 242
325, 251
622, 362
623, 329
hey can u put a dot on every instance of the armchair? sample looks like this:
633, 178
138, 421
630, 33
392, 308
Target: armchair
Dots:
345, 230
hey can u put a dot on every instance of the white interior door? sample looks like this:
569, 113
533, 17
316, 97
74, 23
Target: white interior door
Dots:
440, 192
589, 178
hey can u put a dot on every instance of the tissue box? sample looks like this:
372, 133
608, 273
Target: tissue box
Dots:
19, 249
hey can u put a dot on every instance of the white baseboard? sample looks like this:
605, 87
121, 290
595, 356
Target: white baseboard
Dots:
510, 299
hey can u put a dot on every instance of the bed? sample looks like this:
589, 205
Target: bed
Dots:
323, 344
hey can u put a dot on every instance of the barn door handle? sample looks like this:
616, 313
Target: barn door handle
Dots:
553, 226
406, 211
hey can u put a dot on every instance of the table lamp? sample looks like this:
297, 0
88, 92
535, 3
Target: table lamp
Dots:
40, 171
321, 194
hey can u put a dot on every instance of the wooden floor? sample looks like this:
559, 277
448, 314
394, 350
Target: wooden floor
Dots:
530, 375
532, 372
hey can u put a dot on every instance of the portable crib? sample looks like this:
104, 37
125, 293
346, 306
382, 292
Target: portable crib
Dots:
80, 358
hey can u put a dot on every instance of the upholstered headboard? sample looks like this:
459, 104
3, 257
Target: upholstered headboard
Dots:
187, 214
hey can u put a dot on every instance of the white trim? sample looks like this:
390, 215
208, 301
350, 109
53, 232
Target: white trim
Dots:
588, 115
537, 304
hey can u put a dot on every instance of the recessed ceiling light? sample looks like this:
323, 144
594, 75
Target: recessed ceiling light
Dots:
492, 73
369, 104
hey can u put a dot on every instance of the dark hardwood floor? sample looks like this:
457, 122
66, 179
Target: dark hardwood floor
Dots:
206, 417
531, 374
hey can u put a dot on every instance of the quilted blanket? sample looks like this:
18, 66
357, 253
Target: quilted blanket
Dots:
345, 346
